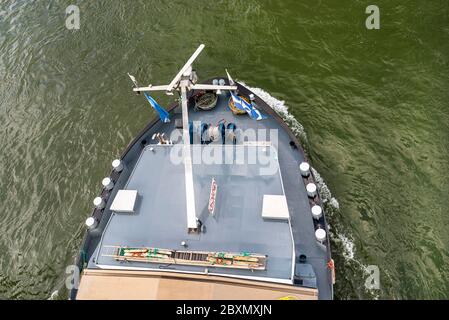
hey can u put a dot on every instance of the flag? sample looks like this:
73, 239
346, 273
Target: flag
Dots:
241, 104
163, 114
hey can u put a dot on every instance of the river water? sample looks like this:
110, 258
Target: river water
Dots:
373, 103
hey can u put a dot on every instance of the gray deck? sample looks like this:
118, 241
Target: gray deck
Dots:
236, 226
166, 230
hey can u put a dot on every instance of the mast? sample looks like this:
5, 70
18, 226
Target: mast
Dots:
188, 168
183, 82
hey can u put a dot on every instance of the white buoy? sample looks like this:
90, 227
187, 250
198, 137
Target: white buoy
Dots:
304, 168
311, 190
107, 183
117, 165
320, 234
99, 203
316, 212
91, 223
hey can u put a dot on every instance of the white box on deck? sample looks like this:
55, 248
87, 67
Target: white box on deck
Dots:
124, 201
275, 207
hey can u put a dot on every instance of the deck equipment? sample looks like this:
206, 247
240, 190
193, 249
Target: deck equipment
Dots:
243, 260
206, 101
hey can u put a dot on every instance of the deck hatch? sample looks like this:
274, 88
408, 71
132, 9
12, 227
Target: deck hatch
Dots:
275, 207
124, 201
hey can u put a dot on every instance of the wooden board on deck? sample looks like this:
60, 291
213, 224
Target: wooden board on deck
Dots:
102, 284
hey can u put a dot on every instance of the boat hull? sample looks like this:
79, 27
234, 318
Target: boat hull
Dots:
291, 154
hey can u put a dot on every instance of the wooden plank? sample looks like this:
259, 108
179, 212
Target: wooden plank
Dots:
132, 284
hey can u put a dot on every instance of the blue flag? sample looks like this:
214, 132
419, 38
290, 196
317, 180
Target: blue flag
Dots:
241, 104
163, 114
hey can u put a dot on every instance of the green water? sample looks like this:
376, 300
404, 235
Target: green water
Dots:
374, 104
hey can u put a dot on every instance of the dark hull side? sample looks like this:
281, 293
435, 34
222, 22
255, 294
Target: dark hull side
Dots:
302, 226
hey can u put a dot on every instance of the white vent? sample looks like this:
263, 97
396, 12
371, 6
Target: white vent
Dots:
124, 201
275, 207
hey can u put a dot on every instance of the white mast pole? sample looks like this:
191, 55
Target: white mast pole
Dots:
188, 169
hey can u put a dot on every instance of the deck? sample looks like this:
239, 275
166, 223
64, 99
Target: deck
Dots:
236, 226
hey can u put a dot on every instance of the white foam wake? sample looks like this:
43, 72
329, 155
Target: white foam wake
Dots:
282, 110
331, 204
